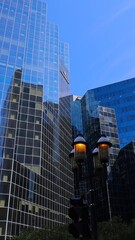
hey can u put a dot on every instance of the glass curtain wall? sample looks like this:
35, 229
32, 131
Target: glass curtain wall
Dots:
36, 180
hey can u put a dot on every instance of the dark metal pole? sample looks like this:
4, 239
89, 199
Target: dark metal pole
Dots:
105, 184
76, 181
92, 206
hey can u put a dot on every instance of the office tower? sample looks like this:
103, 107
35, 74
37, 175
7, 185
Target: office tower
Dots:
121, 97
36, 180
92, 120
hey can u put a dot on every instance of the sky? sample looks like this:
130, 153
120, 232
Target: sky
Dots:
101, 36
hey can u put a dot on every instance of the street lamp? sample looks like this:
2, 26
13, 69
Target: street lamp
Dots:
77, 156
100, 159
80, 227
103, 146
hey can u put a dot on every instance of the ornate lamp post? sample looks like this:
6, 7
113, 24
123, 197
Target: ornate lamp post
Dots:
79, 212
103, 146
79, 156
100, 160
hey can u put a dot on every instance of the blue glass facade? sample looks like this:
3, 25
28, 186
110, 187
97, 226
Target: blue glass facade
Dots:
36, 180
121, 97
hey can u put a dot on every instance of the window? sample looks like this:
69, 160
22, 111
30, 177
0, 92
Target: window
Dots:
5, 178
12, 116
30, 207
39, 92
14, 99
37, 137
29, 150
33, 91
16, 84
26, 90
32, 104
2, 203
38, 106
10, 135
39, 99
36, 209
37, 122
8, 153
36, 151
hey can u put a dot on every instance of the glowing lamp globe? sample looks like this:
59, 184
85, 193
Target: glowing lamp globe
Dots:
79, 148
103, 146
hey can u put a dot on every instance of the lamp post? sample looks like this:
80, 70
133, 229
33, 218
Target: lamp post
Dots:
103, 145
100, 160
79, 156
79, 212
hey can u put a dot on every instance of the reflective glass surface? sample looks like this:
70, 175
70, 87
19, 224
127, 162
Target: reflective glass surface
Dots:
121, 97
36, 180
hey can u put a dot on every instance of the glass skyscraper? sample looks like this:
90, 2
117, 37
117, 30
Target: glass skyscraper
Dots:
121, 97
36, 180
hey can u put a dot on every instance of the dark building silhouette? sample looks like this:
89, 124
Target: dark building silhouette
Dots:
122, 187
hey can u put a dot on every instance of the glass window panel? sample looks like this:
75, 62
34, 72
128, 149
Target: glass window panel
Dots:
2, 203
40, 92
5, 178
38, 106
33, 91
2, 70
29, 150
0, 230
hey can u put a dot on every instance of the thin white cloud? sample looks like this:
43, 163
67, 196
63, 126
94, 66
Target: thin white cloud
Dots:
101, 25
129, 5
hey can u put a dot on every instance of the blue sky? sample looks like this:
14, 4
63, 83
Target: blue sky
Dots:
101, 34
